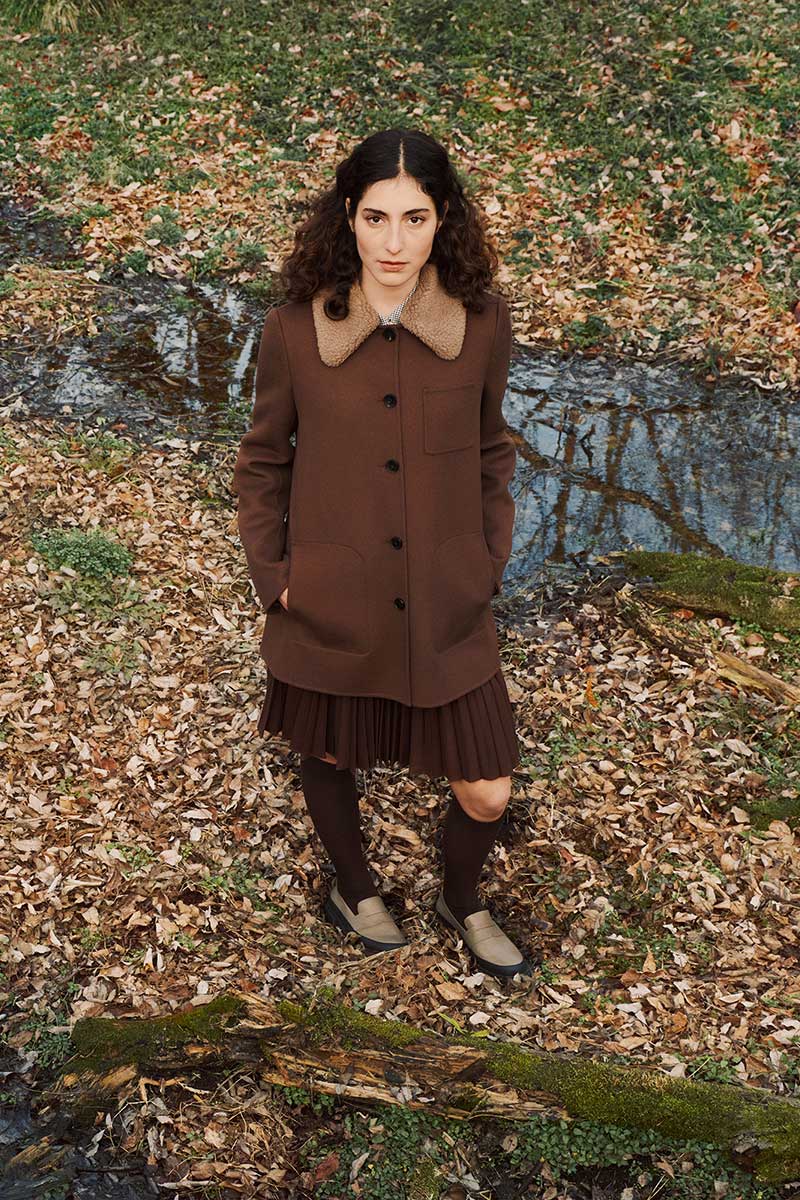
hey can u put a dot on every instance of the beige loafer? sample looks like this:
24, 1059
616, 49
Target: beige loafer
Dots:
495, 953
372, 922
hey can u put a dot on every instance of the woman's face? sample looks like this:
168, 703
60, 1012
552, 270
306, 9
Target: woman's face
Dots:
395, 223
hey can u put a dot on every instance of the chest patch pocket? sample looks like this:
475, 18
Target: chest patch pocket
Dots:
451, 417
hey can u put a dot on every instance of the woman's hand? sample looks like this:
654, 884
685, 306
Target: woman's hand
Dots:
284, 597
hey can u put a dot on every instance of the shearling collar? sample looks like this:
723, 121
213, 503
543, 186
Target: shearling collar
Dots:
437, 318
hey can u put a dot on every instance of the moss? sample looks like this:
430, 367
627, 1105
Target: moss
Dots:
598, 1091
679, 1108
424, 1183
773, 808
104, 1042
601, 1092
467, 1100
353, 1028
721, 585
292, 1012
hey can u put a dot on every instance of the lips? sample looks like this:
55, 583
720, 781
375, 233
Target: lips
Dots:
386, 263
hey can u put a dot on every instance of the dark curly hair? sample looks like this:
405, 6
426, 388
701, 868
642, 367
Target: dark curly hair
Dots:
325, 252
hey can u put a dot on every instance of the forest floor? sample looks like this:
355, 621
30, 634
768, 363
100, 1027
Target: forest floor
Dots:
156, 852
637, 163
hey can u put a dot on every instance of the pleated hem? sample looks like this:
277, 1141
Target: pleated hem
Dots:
471, 737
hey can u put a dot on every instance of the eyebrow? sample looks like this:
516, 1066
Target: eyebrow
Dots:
409, 212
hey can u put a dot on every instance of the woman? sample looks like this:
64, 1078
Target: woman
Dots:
388, 364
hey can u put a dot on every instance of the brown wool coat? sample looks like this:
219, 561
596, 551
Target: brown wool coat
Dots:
399, 514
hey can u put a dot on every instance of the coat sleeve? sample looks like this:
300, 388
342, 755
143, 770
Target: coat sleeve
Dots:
498, 452
262, 474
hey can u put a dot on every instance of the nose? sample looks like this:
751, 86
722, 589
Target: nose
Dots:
394, 244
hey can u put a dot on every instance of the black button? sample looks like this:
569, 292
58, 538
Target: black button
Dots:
392, 464
389, 400
399, 602
389, 333
397, 542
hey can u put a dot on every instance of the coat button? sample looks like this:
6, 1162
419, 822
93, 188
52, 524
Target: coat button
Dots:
392, 464
390, 400
397, 542
389, 333
399, 602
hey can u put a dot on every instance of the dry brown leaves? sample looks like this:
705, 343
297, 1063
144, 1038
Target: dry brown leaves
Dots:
156, 852
729, 319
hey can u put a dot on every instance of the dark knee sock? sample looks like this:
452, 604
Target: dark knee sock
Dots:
465, 848
331, 798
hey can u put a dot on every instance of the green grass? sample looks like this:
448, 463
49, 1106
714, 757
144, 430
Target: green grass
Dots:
51, 1043
634, 93
237, 880
136, 858
91, 554
119, 659
106, 600
9, 451
628, 943
775, 742
102, 451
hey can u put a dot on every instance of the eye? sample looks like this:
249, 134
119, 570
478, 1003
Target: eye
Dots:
374, 217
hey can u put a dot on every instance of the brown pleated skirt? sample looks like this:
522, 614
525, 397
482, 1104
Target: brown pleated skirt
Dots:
471, 737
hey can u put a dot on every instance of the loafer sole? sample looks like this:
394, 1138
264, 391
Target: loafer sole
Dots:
499, 970
337, 918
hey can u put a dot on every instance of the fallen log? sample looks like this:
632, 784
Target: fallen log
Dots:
717, 586
327, 1046
638, 614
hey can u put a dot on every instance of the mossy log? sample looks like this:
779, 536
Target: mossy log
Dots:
717, 586
636, 612
326, 1046
728, 666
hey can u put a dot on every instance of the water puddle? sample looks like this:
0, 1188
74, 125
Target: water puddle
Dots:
51, 1160
617, 456
611, 455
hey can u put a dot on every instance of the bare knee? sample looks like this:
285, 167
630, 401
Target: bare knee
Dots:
483, 799
328, 758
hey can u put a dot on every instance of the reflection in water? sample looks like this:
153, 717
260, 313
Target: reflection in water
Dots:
610, 455
168, 358
617, 456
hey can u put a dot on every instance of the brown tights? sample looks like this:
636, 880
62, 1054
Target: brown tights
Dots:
331, 798
465, 848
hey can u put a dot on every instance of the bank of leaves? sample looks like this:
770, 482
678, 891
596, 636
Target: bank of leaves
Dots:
155, 851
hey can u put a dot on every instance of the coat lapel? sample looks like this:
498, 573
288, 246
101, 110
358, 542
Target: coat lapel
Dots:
432, 314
